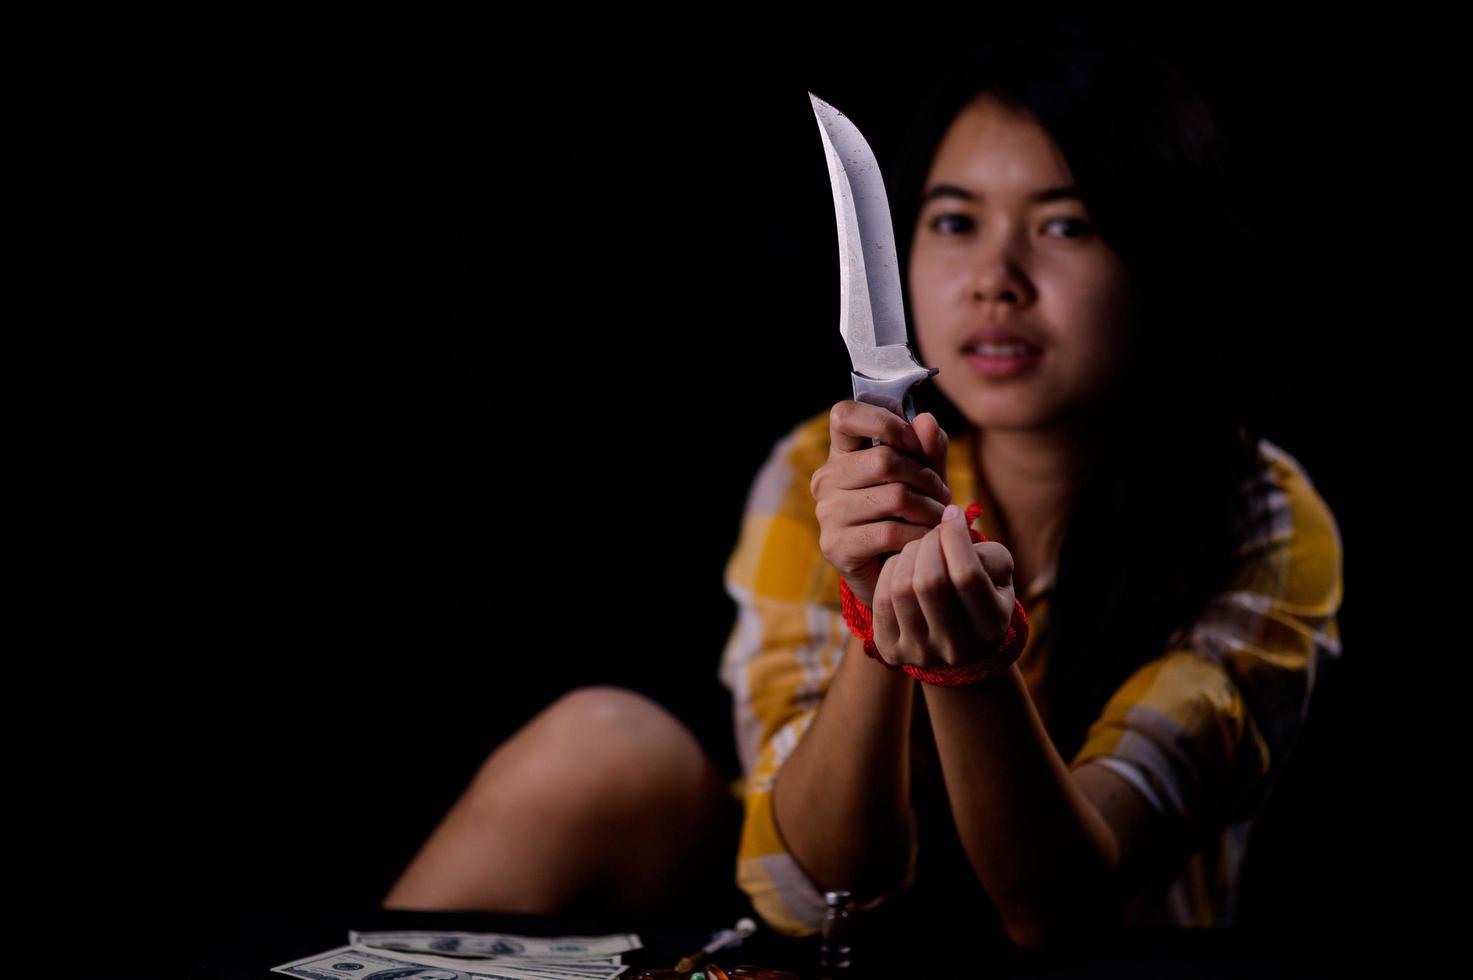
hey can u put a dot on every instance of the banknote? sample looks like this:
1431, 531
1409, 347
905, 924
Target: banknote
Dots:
528, 968
363, 962
483, 944
430, 955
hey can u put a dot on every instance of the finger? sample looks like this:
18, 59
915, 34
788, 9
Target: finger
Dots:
852, 424
895, 502
877, 467
935, 445
910, 620
949, 629
998, 562
986, 607
875, 538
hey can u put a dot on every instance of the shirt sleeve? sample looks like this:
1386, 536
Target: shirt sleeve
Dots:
783, 650
1204, 730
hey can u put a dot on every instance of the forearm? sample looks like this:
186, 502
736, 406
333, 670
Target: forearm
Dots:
1039, 847
842, 798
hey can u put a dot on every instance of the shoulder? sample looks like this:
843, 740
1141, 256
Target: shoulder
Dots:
777, 557
1292, 535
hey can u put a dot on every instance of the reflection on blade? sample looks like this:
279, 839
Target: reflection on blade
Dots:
871, 311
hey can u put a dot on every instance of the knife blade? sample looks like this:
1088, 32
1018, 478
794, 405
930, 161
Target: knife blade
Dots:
871, 308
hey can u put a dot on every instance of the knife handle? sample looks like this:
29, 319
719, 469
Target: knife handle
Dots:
891, 394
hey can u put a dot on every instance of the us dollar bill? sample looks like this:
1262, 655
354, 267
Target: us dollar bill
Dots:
365, 963
487, 944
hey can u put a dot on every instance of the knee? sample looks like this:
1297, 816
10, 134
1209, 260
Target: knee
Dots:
640, 741
610, 741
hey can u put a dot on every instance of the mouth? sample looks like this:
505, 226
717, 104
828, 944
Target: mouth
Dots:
998, 352
1000, 342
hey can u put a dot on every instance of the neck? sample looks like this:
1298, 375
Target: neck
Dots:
1030, 478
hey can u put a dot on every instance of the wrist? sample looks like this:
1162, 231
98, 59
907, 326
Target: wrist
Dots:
857, 613
996, 663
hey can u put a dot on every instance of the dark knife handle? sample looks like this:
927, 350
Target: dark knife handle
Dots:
891, 394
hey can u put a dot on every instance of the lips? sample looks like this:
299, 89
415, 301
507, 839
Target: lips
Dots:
1000, 335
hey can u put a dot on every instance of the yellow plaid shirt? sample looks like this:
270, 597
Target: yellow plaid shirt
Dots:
1197, 726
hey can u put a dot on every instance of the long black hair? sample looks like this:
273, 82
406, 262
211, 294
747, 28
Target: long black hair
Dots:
1153, 531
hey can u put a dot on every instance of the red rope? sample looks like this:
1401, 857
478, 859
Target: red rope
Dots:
860, 620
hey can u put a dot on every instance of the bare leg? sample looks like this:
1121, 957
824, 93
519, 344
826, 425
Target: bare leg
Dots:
604, 799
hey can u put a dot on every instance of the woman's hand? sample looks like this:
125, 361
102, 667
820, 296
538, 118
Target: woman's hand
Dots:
944, 600
874, 500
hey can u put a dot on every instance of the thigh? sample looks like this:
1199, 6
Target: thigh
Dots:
663, 814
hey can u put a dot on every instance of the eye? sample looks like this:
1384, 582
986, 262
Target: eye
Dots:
942, 223
1080, 226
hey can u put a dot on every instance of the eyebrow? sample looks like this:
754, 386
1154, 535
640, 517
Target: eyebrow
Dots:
1051, 194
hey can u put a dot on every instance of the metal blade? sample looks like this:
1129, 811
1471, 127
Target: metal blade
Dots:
871, 310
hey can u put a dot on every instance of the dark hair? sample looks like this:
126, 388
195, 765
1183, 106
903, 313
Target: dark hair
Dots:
1153, 533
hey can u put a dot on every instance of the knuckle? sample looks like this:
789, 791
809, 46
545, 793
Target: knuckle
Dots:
930, 583
882, 460
897, 496
971, 580
888, 537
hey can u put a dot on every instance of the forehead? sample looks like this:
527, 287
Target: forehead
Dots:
992, 150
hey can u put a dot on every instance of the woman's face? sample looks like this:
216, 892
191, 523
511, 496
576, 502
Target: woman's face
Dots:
989, 253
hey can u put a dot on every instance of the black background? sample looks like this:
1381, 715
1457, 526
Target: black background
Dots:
396, 371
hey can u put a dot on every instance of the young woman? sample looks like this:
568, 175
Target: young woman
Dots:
1078, 273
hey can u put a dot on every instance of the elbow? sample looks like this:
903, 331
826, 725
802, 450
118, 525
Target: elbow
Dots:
1039, 931
1072, 914
1075, 933
1027, 933
780, 895
781, 920
1082, 921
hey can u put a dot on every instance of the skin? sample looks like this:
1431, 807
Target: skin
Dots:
599, 805
1039, 268
1059, 851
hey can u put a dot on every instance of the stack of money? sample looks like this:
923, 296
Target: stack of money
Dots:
468, 956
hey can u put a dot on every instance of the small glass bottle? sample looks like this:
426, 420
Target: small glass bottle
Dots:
833, 953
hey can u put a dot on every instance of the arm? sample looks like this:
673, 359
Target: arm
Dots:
792, 665
1189, 744
1054, 872
842, 800
1089, 838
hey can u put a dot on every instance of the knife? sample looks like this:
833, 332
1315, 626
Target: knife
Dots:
871, 310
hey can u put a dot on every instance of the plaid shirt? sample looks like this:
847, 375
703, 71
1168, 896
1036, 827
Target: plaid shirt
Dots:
1202, 732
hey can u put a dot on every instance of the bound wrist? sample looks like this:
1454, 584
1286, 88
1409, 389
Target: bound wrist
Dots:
857, 613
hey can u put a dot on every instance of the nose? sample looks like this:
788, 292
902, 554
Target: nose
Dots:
999, 278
